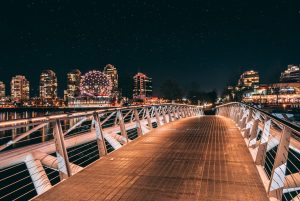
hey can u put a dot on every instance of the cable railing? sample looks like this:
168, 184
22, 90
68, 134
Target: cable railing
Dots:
274, 145
37, 153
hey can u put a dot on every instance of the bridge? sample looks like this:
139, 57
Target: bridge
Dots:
159, 152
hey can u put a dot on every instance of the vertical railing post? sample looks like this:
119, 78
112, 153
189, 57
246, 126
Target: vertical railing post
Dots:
184, 111
236, 113
243, 119
193, 111
176, 112
232, 112
148, 118
247, 126
253, 133
164, 114
277, 176
179, 112
239, 117
153, 111
157, 117
199, 112
227, 111
169, 109
262, 147
190, 111
122, 125
99, 136
61, 152
249, 118
131, 117
138, 122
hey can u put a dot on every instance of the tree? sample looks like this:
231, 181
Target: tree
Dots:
170, 90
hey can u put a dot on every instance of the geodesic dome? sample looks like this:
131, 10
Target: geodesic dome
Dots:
95, 83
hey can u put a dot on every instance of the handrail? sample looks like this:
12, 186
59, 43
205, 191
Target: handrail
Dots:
53, 117
274, 145
78, 139
290, 125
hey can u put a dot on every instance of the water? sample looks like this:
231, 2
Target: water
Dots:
21, 113
11, 115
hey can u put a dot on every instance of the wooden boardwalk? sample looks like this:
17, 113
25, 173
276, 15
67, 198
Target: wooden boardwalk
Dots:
192, 159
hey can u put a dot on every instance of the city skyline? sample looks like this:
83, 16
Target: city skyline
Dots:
222, 39
109, 68
92, 86
62, 80
127, 77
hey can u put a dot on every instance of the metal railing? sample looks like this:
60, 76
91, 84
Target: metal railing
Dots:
37, 153
274, 145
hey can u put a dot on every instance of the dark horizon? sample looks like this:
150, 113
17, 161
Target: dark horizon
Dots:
208, 42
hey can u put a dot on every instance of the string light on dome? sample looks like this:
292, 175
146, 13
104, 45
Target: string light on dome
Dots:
96, 83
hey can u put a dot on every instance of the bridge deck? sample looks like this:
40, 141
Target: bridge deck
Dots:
191, 159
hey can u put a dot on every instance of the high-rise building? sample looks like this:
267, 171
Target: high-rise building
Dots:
112, 73
19, 88
48, 85
142, 86
249, 79
292, 74
73, 85
2, 89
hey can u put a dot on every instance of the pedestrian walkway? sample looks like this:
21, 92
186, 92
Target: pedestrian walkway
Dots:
197, 158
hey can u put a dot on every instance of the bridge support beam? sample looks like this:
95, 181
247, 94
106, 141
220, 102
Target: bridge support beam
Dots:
61, 152
38, 175
51, 161
113, 140
99, 136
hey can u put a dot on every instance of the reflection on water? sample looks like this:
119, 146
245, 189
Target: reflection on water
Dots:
11, 115
41, 135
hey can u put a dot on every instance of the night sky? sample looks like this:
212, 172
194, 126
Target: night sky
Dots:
210, 42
